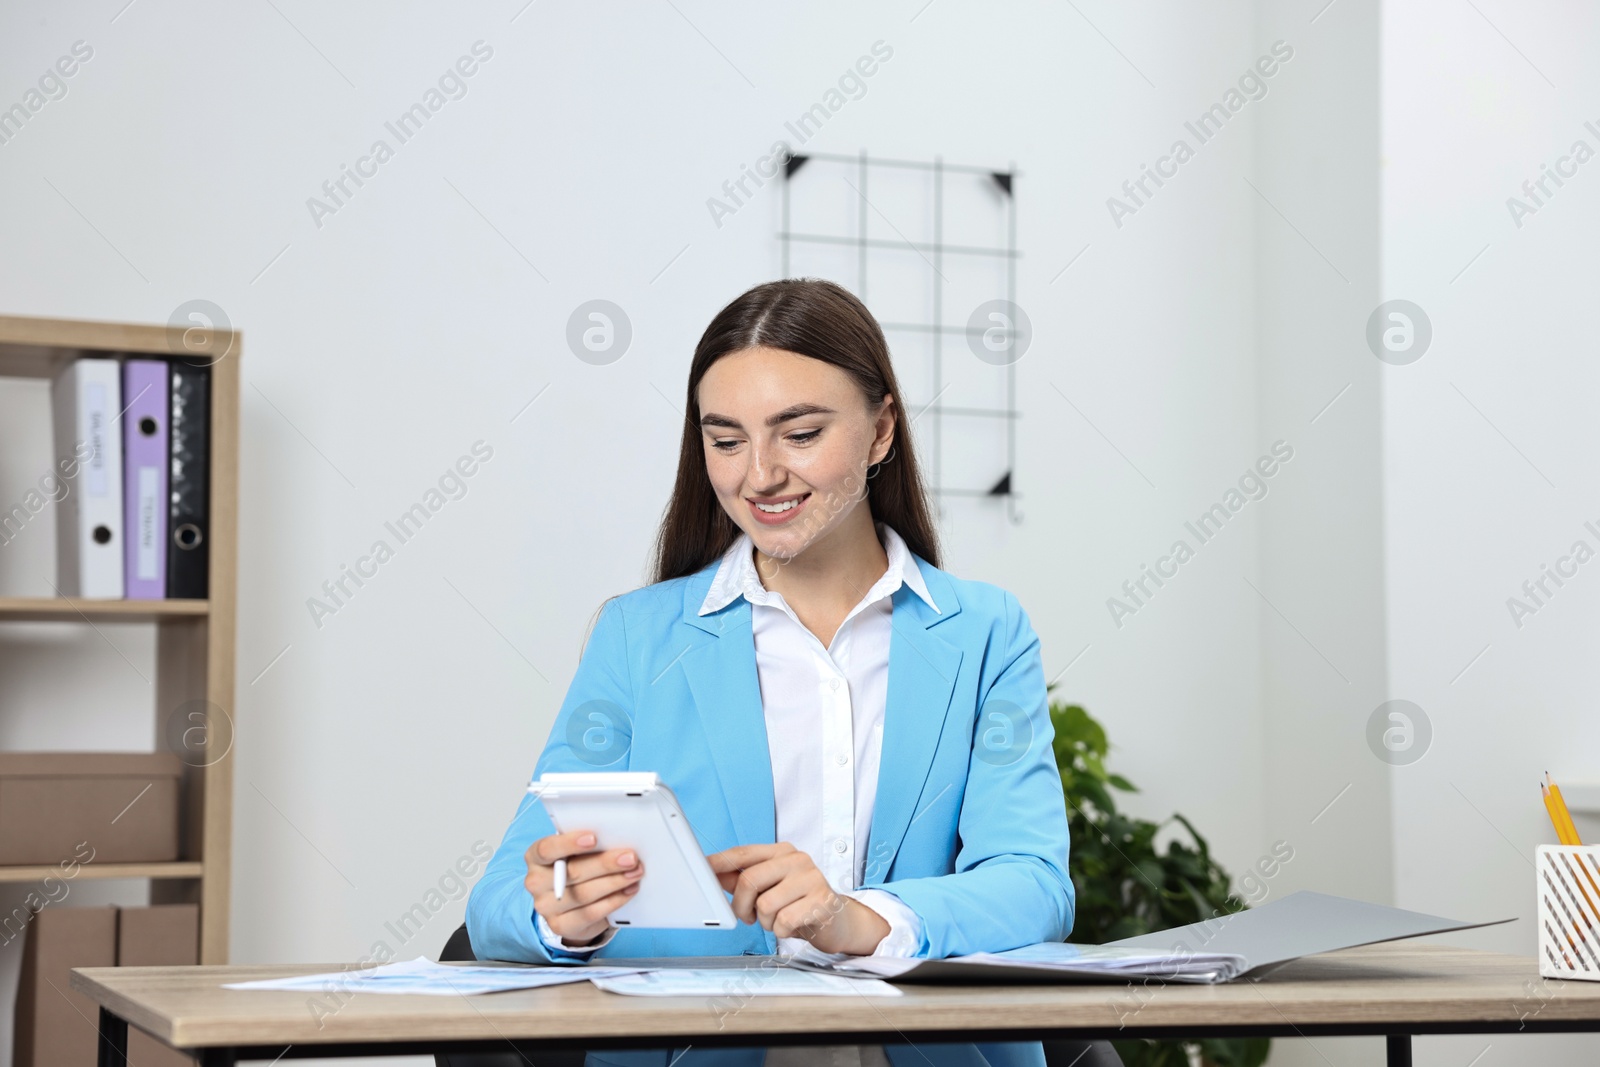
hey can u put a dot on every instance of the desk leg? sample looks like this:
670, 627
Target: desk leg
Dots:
1399, 1050
113, 1040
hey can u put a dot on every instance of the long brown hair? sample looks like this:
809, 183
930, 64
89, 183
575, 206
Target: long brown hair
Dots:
824, 321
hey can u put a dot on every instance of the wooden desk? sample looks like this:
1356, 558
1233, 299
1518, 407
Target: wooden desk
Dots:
1396, 990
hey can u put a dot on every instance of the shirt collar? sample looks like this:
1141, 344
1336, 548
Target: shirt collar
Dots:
736, 575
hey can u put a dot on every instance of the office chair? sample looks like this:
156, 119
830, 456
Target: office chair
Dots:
459, 950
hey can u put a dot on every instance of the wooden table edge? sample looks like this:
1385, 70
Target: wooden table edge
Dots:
689, 1018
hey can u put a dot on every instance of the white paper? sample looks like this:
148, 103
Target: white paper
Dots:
423, 976
1068, 961
740, 983
1113, 960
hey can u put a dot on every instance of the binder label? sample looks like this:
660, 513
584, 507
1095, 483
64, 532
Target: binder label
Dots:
99, 484
149, 507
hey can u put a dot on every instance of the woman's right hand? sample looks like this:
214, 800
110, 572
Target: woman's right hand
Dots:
598, 883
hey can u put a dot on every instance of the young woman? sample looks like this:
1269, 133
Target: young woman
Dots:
859, 739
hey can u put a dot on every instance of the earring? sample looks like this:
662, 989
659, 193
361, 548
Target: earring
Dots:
872, 471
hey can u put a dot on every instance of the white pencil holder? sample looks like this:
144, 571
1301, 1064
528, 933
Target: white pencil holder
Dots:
1568, 878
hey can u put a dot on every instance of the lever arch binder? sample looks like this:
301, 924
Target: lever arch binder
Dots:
144, 483
190, 489
86, 401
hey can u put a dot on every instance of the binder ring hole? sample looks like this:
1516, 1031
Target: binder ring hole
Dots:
102, 535
148, 426
186, 537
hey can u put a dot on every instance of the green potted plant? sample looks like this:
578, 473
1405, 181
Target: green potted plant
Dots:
1127, 886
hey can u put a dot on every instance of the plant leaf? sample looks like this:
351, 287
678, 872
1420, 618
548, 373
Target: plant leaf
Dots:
1126, 886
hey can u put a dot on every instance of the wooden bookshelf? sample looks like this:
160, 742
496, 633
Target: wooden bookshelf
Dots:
194, 638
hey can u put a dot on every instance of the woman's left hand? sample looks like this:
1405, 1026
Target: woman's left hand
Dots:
781, 888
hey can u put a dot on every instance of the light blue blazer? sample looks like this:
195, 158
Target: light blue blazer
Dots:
969, 827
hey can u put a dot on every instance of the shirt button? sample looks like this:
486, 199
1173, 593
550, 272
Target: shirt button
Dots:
841, 845
841, 759
834, 684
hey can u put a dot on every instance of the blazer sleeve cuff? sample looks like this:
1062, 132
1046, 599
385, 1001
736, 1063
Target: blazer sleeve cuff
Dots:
904, 939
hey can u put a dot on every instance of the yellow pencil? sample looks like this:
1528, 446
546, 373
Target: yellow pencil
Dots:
1565, 828
1568, 832
1555, 814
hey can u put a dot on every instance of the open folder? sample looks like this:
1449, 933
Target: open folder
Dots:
1216, 950
1220, 949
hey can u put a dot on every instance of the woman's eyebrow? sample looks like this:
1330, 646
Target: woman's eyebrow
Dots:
793, 411
796, 411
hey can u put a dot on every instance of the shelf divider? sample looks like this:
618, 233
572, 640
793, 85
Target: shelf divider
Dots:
39, 872
73, 609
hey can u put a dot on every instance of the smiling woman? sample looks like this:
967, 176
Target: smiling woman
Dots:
822, 698
785, 339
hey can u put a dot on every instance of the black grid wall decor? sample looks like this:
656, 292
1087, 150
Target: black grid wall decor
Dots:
931, 247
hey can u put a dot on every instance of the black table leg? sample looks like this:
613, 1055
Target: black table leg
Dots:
1399, 1046
113, 1040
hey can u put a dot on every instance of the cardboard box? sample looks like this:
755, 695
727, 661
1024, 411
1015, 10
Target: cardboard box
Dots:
56, 1027
161, 936
123, 805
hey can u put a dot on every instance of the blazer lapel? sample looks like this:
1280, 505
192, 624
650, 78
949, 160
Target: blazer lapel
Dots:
727, 693
922, 676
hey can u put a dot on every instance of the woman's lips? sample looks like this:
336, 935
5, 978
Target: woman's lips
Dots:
767, 518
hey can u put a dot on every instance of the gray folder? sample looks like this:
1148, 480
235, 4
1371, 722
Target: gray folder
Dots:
1300, 924
1217, 950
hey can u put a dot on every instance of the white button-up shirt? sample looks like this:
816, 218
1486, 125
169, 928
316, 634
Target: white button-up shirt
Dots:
824, 711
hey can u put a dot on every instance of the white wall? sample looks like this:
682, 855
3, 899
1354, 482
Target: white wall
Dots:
375, 750
1488, 448
1321, 563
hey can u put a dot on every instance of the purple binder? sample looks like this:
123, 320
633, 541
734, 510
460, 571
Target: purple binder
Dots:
144, 482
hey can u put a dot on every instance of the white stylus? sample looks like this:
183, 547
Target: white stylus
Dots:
561, 878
